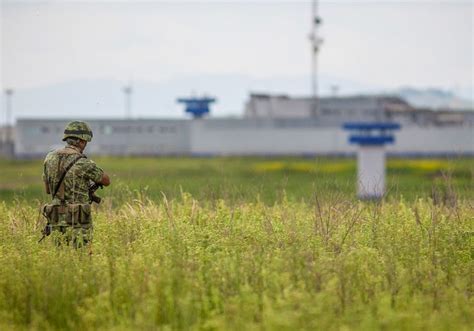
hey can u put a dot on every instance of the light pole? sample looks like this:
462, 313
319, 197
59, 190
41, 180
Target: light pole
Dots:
128, 90
8, 113
316, 43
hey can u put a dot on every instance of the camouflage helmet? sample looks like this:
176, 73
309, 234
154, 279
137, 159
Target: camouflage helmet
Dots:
78, 129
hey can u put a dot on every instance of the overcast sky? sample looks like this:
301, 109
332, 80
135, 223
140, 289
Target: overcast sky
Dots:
387, 43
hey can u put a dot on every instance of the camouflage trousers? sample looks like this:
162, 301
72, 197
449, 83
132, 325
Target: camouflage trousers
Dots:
76, 236
71, 224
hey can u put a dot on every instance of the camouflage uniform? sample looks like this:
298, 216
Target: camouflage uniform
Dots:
70, 211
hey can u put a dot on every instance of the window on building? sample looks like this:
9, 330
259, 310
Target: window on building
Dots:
107, 129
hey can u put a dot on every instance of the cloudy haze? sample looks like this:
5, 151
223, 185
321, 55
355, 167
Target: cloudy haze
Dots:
379, 45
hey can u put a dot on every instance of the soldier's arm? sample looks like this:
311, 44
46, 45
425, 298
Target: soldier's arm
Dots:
45, 181
94, 173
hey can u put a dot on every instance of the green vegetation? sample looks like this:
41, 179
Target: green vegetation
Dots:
244, 179
245, 244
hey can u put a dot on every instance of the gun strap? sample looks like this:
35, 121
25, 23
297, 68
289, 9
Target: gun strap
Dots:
63, 175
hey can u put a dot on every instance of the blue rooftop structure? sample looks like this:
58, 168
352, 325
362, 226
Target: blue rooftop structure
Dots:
371, 133
197, 107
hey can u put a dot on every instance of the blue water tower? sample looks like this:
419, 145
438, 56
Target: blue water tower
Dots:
371, 137
197, 107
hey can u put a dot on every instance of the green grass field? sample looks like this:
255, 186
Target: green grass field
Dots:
245, 244
249, 179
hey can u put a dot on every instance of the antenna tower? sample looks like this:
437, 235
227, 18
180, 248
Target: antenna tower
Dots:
316, 42
128, 90
8, 115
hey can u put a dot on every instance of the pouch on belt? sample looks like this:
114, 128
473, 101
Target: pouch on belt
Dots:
70, 214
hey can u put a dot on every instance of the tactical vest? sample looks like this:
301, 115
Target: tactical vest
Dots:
66, 214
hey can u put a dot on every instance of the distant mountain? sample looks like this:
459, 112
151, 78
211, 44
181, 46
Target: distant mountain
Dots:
434, 98
104, 98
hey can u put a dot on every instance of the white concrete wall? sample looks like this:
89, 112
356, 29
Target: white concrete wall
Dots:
233, 137
111, 137
269, 140
431, 139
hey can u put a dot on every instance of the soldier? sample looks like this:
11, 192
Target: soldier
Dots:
68, 174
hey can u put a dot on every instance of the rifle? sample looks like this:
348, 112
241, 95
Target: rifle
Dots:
92, 197
45, 232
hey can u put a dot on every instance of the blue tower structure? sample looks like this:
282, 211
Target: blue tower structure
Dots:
371, 133
371, 137
197, 107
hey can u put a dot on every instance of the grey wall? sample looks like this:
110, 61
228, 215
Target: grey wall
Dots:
434, 140
266, 138
271, 140
34, 138
111, 137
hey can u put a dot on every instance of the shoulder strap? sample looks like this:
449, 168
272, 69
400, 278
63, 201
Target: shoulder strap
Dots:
80, 156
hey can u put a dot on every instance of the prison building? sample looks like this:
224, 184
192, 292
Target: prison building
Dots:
332, 111
271, 125
35, 137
